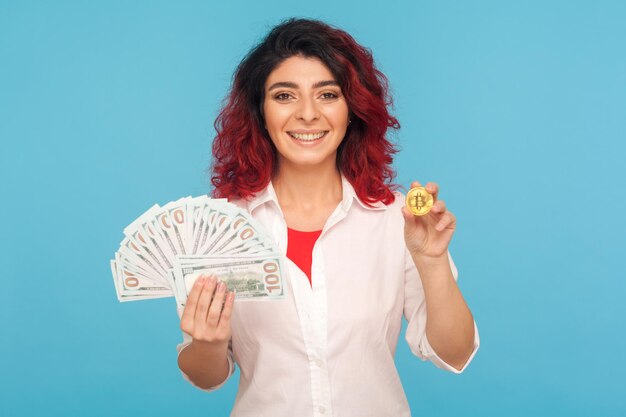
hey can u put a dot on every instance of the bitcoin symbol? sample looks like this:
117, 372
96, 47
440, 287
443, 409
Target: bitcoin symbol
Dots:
419, 201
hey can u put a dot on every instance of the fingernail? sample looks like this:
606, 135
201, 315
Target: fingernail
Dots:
221, 286
212, 279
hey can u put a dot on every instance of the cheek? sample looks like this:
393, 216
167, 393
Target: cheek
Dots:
339, 115
340, 121
274, 127
275, 118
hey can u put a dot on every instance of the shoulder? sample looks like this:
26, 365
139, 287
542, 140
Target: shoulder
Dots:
394, 207
399, 199
389, 215
239, 202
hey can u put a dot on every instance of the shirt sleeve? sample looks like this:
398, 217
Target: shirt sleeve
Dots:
229, 355
415, 314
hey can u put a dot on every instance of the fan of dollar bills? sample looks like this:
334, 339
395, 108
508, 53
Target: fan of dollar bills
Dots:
167, 248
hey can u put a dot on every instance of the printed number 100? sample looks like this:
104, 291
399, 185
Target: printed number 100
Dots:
272, 280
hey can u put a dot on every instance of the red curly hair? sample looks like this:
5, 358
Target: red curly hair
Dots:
244, 157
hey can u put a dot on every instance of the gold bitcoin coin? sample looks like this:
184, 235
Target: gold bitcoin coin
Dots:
419, 201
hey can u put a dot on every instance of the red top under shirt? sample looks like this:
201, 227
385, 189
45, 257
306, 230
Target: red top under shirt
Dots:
300, 249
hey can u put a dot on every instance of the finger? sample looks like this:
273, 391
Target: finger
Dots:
216, 305
224, 321
445, 221
433, 188
192, 300
439, 206
205, 299
415, 184
406, 213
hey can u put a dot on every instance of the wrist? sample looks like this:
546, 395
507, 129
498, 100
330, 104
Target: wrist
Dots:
208, 349
430, 261
436, 274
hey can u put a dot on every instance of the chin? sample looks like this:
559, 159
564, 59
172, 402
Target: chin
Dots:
309, 162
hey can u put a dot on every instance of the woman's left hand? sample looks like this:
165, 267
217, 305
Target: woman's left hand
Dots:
429, 235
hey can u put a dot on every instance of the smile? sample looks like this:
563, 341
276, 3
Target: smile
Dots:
309, 137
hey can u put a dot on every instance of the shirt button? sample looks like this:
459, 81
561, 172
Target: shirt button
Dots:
319, 362
321, 409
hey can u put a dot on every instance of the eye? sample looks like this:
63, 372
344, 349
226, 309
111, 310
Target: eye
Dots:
329, 95
282, 96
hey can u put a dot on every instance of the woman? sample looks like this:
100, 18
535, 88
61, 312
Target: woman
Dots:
301, 145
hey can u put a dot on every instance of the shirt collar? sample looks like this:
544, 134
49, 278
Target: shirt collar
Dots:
349, 195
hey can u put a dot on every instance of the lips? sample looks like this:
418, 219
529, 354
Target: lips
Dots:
308, 137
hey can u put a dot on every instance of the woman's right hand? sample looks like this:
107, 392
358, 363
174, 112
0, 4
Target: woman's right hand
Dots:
207, 314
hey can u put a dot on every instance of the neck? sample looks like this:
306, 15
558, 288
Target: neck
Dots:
307, 188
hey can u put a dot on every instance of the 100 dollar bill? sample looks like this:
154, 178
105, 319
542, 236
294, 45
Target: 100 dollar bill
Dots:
250, 278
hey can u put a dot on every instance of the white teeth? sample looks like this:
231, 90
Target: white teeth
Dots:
308, 136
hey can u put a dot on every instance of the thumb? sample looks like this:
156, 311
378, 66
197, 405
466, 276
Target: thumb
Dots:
408, 216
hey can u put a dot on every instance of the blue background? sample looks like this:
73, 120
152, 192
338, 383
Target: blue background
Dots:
516, 109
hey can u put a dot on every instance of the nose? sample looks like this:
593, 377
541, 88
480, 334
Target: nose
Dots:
307, 110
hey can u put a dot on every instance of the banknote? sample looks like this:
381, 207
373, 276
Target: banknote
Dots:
250, 277
167, 247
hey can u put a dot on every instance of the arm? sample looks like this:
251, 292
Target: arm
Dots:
441, 326
205, 367
450, 324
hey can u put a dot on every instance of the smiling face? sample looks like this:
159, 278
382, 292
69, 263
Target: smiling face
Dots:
306, 114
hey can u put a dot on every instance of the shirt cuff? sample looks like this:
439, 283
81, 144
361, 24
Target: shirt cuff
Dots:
231, 369
430, 354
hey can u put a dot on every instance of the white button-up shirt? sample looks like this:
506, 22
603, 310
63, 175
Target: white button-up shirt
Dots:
328, 348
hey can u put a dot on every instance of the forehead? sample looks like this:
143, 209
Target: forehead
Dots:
300, 70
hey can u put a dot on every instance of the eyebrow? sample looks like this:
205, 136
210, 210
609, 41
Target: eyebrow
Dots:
288, 84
